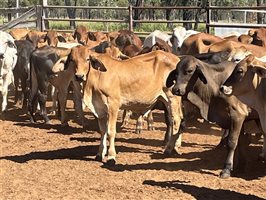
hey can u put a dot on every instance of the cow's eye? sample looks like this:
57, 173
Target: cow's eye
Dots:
189, 71
88, 59
10, 44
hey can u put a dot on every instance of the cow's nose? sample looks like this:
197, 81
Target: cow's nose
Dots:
79, 77
176, 91
82, 42
227, 90
1, 55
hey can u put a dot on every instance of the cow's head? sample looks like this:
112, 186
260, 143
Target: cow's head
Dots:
238, 54
52, 38
188, 70
259, 36
243, 76
6, 41
81, 34
83, 58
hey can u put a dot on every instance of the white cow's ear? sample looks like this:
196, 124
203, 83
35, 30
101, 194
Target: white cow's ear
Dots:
97, 64
261, 71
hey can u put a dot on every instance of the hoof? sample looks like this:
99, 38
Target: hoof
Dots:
65, 124
111, 162
168, 152
53, 112
261, 158
225, 173
138, 131
151, 129
98, 158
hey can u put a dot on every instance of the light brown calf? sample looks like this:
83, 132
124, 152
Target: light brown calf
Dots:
135, 84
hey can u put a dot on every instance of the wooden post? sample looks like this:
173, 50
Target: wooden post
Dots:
45, 23
39, 18
208, 20
9, 16
130, 18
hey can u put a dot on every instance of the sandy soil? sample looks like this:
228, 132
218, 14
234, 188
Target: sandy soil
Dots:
40, 161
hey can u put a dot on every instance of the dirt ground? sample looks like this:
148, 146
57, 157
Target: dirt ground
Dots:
40, 161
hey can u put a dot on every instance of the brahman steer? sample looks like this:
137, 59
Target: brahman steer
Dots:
198, 43
135, 84
8, 60
180, 34
199, 83
248, 83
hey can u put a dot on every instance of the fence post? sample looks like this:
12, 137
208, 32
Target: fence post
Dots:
130, 17
39, 18
208, 20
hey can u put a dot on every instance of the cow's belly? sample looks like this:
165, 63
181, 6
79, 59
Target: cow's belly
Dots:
140, 102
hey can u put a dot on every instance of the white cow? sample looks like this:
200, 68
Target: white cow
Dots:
8, 60
152, 38
178, 37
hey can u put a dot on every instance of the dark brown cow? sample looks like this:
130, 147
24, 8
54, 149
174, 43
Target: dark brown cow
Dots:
199, 82
126, 38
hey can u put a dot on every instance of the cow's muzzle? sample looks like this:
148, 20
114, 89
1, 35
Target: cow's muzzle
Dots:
227, 90
80, 77
178, 91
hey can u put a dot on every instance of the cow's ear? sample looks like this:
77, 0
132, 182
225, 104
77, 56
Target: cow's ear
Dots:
260, 70
201, 74
97, 64
61, 38
170, 79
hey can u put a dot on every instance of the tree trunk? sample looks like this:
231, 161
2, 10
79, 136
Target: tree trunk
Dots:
260, 15
71, 12
137, 13
187, 15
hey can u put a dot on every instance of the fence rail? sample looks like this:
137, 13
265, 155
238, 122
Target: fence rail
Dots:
42, 19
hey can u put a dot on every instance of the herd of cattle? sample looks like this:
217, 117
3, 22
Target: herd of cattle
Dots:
223, 77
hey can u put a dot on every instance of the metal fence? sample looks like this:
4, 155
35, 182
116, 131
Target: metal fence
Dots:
39, 16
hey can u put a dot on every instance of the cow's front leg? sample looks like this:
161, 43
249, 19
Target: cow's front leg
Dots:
6, 81
139, 125
175, 116
111, 129
102, 121
62, 97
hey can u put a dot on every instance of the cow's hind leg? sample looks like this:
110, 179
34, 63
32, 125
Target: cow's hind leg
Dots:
236, 125
103, 145
42, 101
150, 122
